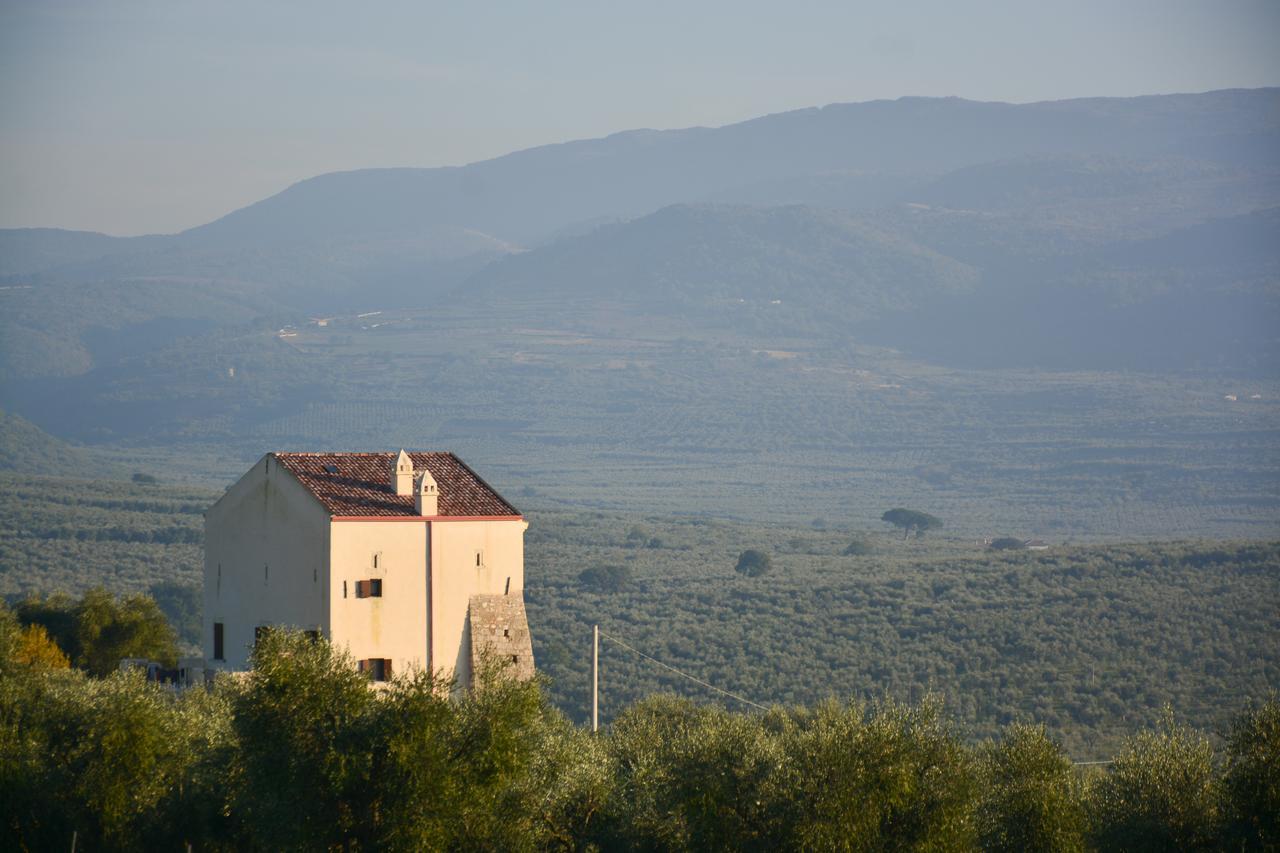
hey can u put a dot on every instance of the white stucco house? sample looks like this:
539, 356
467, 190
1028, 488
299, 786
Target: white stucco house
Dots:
407, 560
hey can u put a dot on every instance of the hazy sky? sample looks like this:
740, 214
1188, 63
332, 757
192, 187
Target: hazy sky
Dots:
128, 117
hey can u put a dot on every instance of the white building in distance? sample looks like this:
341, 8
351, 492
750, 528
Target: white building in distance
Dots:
408, 561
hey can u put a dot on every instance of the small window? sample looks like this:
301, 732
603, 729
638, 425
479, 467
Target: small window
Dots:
218, 641
506, 632
377, 558
260, 633
479, 559
375, 588
313, 636
378, 669
515, 658
331, 469
344, 589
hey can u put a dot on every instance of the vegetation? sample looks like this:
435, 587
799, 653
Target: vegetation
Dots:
302, 754
859, 547
606, 578
99, 630
1007, 543
1090, 641
911, 521
753, 563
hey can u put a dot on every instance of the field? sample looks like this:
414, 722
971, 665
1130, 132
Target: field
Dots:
1090, 640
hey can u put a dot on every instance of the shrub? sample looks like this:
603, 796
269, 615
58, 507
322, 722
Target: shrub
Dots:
859, 547
606, 578
1007, 543
753, 563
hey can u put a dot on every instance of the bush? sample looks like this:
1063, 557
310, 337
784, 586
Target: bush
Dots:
1007, 543
606, 578
859, 547
753, 563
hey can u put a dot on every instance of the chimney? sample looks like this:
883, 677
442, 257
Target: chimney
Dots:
426, 496
402, 474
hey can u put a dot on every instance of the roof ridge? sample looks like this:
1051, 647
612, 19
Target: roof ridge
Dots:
354, 483
483, 482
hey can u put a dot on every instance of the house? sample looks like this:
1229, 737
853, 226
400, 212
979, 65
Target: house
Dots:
408, 561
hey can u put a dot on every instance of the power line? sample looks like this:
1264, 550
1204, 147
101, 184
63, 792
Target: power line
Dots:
684, 674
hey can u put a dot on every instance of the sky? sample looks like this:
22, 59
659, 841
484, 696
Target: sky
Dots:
151, 116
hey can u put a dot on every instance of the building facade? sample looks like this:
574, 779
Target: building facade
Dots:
408, 561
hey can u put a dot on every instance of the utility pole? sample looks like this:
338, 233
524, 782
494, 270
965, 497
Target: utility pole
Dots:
595, 678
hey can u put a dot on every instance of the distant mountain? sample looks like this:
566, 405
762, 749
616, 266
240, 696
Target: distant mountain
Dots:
723, 261
522, 197
939, 219
27, 250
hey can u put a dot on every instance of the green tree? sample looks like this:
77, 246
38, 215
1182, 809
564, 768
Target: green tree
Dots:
753, 563
889, 778
1160, 793
1251, 783
303, 725
911, 521
695, 777
612, 578
103, 758
1030, 795
108, 629
99, 629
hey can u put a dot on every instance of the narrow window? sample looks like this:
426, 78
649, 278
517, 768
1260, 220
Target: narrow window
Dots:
217, 641
344, 589
375, 559
266, 573
479, 559
506, 632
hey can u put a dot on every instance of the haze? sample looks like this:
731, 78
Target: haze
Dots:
138, 117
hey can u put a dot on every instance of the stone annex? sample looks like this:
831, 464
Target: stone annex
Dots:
408, 561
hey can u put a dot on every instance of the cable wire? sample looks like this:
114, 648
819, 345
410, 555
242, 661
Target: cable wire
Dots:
684, 674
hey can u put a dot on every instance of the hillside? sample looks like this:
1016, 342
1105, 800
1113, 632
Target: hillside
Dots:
1117, 631
715, 260
27, 449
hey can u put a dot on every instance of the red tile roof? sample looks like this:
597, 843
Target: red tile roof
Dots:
361, 484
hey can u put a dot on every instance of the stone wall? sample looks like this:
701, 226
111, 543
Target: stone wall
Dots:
500, 628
